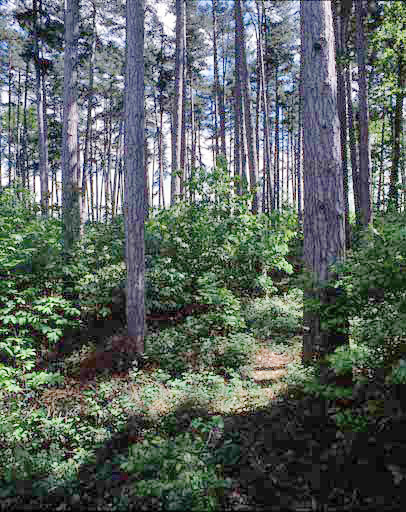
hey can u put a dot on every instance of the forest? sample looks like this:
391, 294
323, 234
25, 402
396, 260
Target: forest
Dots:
202, 255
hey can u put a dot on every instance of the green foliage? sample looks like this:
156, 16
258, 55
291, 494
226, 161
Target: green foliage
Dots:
275, 317
398, 375
177, 470
349, 421
44, 450
33, 313
345, 358
190, 345
373, 278
217, 234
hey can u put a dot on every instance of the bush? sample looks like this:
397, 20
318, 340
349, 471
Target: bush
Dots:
33, 313
374, 283
178, 471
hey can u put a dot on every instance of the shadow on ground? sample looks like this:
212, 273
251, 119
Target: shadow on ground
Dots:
280, 458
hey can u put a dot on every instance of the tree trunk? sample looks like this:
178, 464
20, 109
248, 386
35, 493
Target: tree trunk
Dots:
397, 134
24, 144
70, 188
364, 150
216, 78
237, 120
249, 133
381, 167
219, 89
42, 135
324, 229
276, 163
10, 129
193, 140
86, 168
178, 102
340, 30
266, 125
353, 147
135, 174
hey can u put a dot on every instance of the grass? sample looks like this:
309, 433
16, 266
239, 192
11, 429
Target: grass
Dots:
50, 435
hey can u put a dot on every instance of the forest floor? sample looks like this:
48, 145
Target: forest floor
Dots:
289, 457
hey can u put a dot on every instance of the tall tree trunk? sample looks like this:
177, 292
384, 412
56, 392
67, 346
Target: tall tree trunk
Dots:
353, 147
18, 138
135, 174
397, 133
340, 30
324, 229
266, 124
381, 167
249, 133
276, 163
24, 149
216, 78
116, 177
219, 89
178, 102
193, 139
364, 150
183, 143
237, 120
161, 163
86, 167
10, 128
42, 135
70, 188
258, 106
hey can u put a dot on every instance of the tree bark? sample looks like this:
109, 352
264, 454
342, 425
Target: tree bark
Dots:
324, 229
364, 149
216, 78
340, 29
42, 135
135, 174
353, 146
266, 124
10, 129
178, 102
249, 133
24, 149
219, 89
70, 188
86, 167
381, 167
276, 163
397, 134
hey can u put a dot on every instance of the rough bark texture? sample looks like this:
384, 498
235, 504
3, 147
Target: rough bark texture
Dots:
340, 33
86, 167
70, 189
397, 134
266, 122
353, 146
364, 150
324, 231
42, 131
238, 141
178, 101
134, 173
249, 133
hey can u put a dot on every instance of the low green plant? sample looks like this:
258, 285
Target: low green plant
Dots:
347, 420
177, 471
277, 317
33, 313
398, 374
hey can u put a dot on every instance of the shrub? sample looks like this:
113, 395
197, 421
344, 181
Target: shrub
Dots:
33, 313
177, 471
